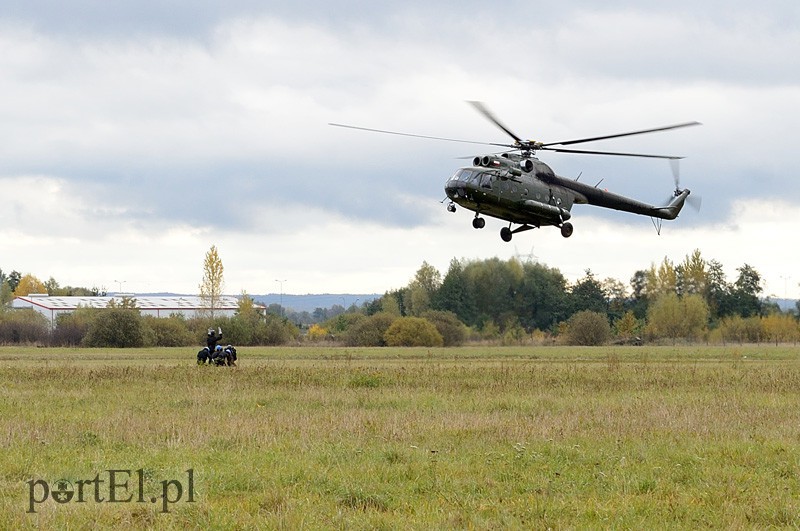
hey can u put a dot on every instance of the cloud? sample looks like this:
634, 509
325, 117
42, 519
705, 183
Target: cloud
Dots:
143, 129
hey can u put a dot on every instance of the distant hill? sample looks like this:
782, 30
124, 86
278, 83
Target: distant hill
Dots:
310, 302
298, 303
786, 304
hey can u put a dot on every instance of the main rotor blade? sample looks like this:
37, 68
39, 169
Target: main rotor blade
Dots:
420, 136
643, 131
481, 108
618, 154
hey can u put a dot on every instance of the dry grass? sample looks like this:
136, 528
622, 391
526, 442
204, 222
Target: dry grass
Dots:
366, 438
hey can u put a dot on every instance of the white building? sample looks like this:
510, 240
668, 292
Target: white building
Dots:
186, 305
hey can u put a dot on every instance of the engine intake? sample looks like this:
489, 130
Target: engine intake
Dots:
513, 167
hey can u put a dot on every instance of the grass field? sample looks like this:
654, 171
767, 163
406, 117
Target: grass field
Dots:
632, 437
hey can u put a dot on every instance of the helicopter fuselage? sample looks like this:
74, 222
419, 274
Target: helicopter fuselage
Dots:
526, 191
526, 198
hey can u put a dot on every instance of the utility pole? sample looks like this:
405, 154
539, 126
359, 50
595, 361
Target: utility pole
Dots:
281, 283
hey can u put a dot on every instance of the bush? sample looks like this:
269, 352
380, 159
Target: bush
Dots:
369, 332
413, 332
23, 326
71, 328
117, 328
588, 328
343, 322
275, 331
170, 332
453, 331
317, 333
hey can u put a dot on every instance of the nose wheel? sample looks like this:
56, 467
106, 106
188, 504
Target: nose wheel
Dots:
478, 223
567, 229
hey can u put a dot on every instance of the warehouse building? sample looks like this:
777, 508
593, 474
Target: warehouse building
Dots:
185, 305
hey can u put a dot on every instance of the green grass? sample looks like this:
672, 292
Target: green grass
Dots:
476, 437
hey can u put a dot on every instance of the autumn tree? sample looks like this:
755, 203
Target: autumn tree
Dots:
691, 275
780, 327
421, 289
213, 283
627, 326
29, 284
661, 280
673, 317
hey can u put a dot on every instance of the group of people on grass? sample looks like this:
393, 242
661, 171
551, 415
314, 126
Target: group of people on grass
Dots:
213, 354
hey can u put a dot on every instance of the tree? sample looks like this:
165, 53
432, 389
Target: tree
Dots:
541, 300
779, 327
13, 280
692, 275
588, 294
676, 317
494, 287
454, 294
639, 298
6, 293
745, 292
422, 289
52, 287
717, 290
29, 284
662, 280
616, 297
213, 283
627, 326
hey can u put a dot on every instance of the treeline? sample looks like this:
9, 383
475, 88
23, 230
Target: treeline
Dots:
497, 301
15, 283
122, 325
513, 301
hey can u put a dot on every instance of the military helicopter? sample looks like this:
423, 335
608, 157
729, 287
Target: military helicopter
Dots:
517, 187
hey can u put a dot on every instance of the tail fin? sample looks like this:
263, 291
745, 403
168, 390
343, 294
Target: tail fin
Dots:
674, 207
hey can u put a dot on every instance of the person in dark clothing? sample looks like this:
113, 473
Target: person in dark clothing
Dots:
230, 350
213, 338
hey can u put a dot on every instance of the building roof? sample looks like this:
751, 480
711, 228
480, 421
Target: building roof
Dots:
185, 302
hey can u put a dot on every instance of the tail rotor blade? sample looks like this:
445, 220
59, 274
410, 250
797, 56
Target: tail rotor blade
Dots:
676, 172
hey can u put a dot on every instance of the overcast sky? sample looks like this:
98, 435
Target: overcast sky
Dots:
134, 135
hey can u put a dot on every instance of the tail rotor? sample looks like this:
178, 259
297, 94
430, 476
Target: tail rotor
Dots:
695, 201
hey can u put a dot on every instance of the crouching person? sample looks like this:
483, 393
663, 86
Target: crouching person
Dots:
230, 350
204, 356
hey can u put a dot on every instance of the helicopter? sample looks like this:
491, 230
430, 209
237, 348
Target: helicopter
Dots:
515, 186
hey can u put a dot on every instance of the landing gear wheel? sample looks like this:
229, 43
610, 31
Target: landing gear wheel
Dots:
505, 234
566, 229
478, 223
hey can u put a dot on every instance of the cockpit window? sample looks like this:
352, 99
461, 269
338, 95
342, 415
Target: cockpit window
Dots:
465, 175
486, 181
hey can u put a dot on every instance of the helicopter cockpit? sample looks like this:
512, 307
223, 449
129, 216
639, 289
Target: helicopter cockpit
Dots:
468, 176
